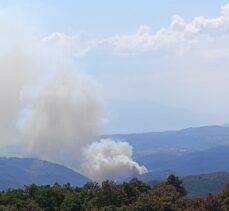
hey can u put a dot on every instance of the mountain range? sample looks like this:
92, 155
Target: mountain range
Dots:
187, 152
190, 139
17, 172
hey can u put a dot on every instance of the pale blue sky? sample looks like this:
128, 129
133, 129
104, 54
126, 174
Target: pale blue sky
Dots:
151, 79
102, 17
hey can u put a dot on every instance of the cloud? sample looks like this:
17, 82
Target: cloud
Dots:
177, 37
75, 46
183, 65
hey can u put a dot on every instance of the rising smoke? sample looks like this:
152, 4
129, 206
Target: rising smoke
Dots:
64, 116
109, 159
54, 111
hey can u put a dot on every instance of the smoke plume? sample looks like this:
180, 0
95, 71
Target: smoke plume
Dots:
53, 110
64, 116
109, 159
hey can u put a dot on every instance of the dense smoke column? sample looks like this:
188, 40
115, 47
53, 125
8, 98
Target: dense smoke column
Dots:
52, 111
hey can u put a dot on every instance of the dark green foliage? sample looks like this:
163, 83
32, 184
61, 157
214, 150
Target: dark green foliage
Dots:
177, 184
109, 196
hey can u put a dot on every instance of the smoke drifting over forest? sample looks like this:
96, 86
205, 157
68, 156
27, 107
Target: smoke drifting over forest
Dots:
53, 110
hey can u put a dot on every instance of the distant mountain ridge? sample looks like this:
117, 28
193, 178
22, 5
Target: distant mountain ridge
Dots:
191, 139
190, 151
198, 162
202, 152
17, 172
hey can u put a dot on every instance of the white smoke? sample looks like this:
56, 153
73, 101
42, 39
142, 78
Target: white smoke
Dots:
64, 116
52, 110
63, 121
109, 159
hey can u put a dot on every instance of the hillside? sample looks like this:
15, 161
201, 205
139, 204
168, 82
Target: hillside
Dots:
168, 195
198, 162
163, 153
190, 139
17, 172
204, 184
184, 152
196, 185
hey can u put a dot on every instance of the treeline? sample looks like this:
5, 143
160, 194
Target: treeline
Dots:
134, 195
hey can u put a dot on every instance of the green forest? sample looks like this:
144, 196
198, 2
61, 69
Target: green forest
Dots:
169, 195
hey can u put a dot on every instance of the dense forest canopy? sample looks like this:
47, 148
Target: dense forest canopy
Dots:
133, 195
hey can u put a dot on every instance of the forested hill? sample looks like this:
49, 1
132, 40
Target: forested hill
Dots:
204, 184
134, 195
200, 185
17, 172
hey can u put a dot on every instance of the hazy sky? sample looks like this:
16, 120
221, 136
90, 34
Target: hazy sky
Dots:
160, 64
